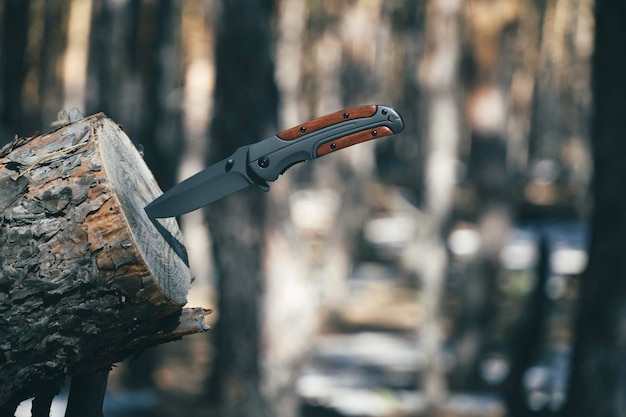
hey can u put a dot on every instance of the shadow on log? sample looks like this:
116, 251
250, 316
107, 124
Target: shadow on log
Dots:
86, 278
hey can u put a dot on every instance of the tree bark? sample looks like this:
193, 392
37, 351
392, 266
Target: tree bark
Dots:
85, 277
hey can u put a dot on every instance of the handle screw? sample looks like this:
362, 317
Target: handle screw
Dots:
384, 112
374, 133
229, 165
264, 162
333, 146
303, 129
346, 115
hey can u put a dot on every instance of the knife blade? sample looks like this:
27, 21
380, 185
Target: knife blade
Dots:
266, 160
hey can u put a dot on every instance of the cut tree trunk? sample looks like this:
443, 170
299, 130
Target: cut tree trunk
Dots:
86, 278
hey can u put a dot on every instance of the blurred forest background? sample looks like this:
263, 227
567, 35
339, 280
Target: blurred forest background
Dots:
440, 272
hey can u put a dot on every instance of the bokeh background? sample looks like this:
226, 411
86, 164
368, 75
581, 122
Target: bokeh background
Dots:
436, 272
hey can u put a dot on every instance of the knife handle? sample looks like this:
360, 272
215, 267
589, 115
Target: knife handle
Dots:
328, 120
353, 139
273, 156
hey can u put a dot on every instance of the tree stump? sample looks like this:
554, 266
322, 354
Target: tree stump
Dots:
86, 278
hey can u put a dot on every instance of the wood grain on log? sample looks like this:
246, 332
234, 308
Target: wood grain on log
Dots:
83, 272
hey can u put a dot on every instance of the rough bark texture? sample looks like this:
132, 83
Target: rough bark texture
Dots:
85, 277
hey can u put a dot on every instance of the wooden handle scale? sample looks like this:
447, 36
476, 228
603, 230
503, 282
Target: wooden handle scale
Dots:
328, 120
273, 156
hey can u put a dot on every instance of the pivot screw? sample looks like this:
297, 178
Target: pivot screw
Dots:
229, 165
384, 112
264, 162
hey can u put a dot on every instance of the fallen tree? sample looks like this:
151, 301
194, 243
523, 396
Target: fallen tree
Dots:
86, 278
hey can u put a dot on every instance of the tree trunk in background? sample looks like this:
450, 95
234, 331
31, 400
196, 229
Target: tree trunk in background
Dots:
134, 77
528, 340
438, 73
486, 83
598, 382
559, 123
394, 158
161, 120
14, 37
112, 84
245, 111
54, 42
290, 294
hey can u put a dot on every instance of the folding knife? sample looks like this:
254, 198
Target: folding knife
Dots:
264, 161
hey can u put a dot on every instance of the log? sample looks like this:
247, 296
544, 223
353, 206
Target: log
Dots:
86, 395
85, 277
